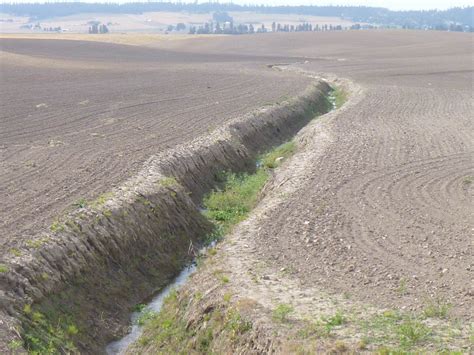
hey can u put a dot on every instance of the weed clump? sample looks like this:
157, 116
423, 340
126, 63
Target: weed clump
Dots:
273, 159
436, 309
168, 182
412, 332
281, 312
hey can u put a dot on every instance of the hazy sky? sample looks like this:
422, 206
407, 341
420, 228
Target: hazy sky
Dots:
391, 4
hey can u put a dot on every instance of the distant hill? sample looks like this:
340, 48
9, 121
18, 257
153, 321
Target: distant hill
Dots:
455, 19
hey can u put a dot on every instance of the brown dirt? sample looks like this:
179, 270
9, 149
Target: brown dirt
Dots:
379, 195
373, 213
391, 197
376, 205
77, 118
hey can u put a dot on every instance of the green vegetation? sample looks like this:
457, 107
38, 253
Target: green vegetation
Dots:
338, 97
144, 316
236, 324
167, 331
101, 200
398, 333
36, 243
3, 268
168, 182
324, 327
412, 332
402, 288
281, 312
15, 251
81, 203
56, 226
468, 180
335, 320
43, 335
273, 159
139, 307
436, 308
229, 206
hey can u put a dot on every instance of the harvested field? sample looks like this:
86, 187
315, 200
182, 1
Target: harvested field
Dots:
376, 204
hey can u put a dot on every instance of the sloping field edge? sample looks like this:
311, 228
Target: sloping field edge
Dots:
107, 255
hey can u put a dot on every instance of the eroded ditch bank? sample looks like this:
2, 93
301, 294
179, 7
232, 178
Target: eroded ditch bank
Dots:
72, 289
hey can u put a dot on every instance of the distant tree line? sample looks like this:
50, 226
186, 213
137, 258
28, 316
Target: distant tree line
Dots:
229, 27
455, 19
97, 28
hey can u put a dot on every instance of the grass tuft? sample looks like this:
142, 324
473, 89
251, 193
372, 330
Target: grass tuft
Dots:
281, 312
273, 159
412, 332
436, 308
56, 226
168, 182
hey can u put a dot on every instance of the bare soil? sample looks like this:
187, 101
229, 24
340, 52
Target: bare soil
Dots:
377, 205
390, 200
372, 216
77, 118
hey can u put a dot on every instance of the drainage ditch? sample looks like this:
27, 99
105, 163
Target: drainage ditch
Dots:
74, 290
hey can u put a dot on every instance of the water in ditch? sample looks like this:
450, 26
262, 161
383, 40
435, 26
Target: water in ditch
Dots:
121, 345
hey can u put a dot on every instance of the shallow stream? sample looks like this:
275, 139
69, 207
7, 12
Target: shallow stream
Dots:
121, 345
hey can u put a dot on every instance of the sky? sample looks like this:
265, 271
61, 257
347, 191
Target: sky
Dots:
391, 4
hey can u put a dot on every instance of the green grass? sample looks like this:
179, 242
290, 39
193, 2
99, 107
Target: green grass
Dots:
232, 204
81, 203
273, 159
323, 328
168, 182
281, 312
335, 320
56, 226
101, 200
144, 316
402, 288
37, 243
412, 332
236, 324
43, 335
396, 332
3, 268
338, 97
15, 251
436, 308
168, 332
